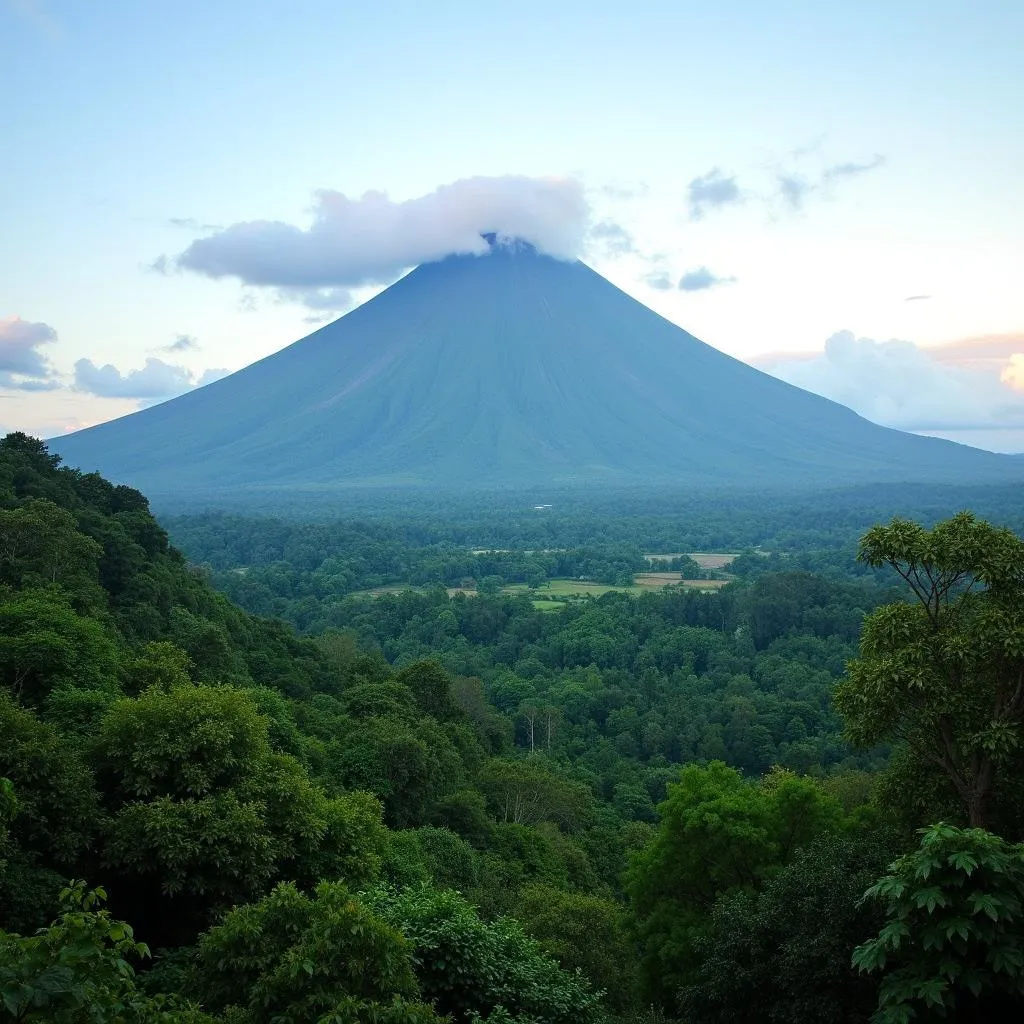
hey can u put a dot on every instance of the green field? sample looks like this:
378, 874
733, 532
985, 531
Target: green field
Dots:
551, 595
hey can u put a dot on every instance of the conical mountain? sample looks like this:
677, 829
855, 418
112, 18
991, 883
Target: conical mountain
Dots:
507, 369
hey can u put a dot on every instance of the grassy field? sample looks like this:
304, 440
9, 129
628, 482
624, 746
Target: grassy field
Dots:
551, 595
705, 559
400, 588
642, 584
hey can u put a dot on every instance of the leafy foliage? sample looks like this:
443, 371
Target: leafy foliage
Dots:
945, 674
214, 768
782, 955
292, 958
718, 834
953, 939
468, 966
587, 933
78, 971
190, 770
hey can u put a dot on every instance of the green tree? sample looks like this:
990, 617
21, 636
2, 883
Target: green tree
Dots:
525, 792
293, 958
953, 940
55, 820
159, 663
409, 765
432, 689
719, 833
466, 966
586, 933
945, 674
41, 545
201, 806
79, 971
44, 643
782, 955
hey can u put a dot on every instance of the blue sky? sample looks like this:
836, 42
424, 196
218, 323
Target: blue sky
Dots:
837, 186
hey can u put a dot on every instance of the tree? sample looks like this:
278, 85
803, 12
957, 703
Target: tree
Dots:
203, 811
408, 765
585, 933
44, 643
782, 955
41, 545
526, 792
945, 674
719, 834
53, 820
432, 689
953, 940
78, 971
292, 957
467, 967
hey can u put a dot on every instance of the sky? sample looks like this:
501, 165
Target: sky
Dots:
830, 191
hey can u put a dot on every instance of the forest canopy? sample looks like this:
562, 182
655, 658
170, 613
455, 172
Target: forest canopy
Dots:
321, 806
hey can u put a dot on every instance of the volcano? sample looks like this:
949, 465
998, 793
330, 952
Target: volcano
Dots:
509, 369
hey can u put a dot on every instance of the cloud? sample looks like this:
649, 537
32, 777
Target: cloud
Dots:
612, 239
372, 239
701, 279
1012, 374
323, 301
22, 365
793, 188
191, 224
658, 279
209, 376
712, 191
13, 383
898, 384
182, 343
156, 380
916, 298
989, 352
851, 169
632, 190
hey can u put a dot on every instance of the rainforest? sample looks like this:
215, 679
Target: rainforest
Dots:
517, 759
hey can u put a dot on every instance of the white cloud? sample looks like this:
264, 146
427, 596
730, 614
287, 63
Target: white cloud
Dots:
701, 279
898, 384
372, 239
209, 376
1012, 374
793, 188
23, 366
182, 343
155, 380
611, 239
658, 279
712, 191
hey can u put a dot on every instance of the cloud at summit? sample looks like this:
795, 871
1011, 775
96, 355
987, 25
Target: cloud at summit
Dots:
370, 240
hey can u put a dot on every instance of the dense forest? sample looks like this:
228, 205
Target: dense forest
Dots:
235, 789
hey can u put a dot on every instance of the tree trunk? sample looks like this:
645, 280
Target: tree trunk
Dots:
976, 808
977, 798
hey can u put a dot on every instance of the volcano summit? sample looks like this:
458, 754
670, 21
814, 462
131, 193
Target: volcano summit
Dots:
510, 369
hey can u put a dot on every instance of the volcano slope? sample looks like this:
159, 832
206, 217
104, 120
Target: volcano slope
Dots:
514, 370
